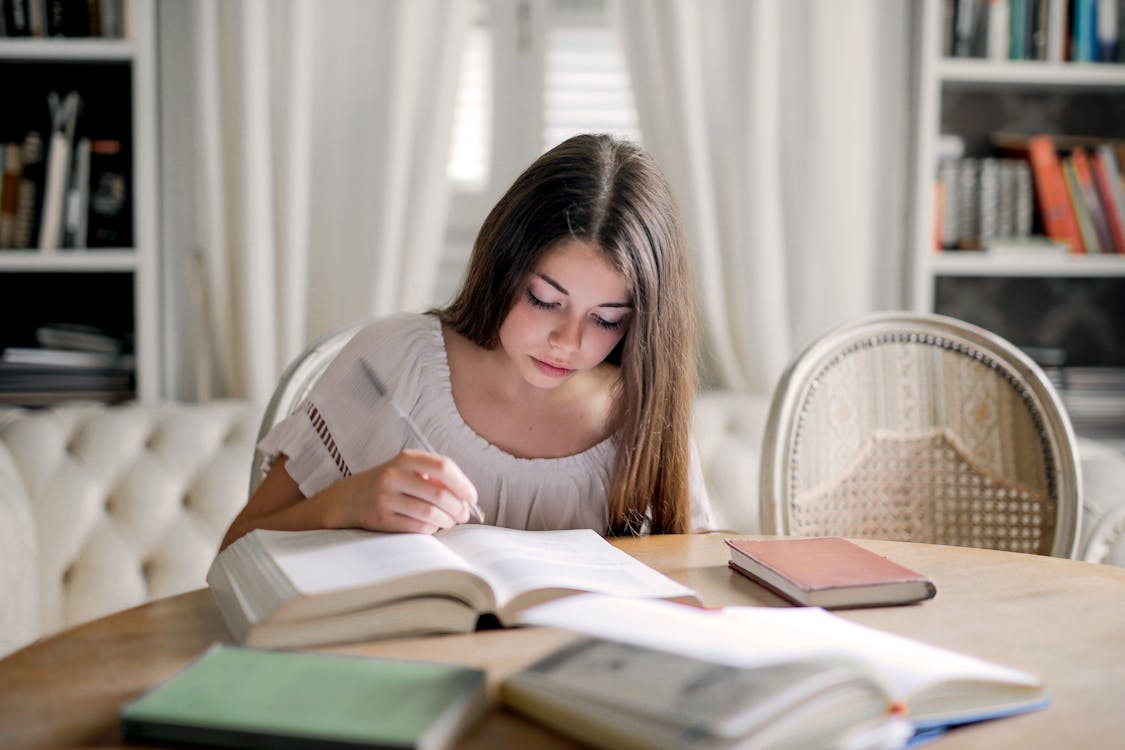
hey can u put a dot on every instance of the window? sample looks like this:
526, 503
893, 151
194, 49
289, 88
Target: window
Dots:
534, 72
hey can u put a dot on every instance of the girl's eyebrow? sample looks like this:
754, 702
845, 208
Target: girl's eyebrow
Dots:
563, 289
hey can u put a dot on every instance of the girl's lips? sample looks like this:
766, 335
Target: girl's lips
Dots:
552, 370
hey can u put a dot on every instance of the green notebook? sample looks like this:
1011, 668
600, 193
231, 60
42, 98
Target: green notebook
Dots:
244, 697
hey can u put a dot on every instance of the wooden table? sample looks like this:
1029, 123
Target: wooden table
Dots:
1061, 619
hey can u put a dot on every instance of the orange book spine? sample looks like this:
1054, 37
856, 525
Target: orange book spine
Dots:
1050, 187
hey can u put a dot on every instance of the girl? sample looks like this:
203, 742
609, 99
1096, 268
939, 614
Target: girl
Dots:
556, 388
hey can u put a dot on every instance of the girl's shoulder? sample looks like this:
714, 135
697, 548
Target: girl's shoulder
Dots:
402, 330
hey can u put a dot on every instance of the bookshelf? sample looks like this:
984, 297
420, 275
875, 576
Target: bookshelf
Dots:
104, 275
1059, 306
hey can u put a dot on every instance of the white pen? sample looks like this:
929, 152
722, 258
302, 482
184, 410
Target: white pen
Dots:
420, 438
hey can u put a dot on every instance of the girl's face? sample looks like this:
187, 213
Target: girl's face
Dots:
573, 310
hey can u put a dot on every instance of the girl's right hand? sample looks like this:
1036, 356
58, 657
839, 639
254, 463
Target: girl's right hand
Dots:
415, 492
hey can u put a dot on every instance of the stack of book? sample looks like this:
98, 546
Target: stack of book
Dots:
1095, 399
72, 362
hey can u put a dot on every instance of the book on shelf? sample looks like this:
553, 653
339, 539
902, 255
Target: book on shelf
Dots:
1111, 191
1059, 220
78, 197
78, 336
1090, 240
72, 358
64, 116
242, 697
11, 167
1055, 31
829, 572
1108, 31
928, 688
278, 588
1089, 194
30, 191
30, 378
69, 18
109, 212
1083, 40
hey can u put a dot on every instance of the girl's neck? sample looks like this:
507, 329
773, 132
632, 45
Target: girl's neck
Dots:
499, 405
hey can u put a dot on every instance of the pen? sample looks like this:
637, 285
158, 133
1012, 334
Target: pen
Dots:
420, 438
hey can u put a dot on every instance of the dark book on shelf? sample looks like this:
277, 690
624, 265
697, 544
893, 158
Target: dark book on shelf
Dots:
68, 18
30, 192
109, 216
17, 17
242, 697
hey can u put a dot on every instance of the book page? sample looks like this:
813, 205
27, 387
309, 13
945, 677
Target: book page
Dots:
516, 563
752, 636
329, 560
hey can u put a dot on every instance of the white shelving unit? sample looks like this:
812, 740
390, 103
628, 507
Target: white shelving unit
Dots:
938, 77
137, 54
1068, 307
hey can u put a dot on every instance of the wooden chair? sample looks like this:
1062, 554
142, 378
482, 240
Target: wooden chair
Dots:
917, 427
295, 383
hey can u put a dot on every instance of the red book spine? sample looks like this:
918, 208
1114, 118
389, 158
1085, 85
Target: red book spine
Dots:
1113, 212
1054, 204
1093, 200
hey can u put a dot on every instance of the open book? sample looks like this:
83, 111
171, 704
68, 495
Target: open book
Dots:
788, 677
297, 588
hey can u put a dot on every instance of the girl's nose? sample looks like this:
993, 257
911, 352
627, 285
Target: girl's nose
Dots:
567, 335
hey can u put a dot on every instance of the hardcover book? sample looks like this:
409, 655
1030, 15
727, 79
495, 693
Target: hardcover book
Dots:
619, 695
828, 572
240, 697
293, 588
1059, 219
752, 677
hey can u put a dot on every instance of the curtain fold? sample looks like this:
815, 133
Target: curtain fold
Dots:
320, 134
781, 127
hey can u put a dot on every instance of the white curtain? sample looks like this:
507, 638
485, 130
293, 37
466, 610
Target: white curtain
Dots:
316, 145
781, 125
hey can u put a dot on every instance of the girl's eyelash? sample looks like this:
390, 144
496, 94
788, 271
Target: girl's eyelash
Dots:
536, 302
609, 325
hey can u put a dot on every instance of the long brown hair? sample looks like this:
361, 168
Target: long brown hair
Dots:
611, 193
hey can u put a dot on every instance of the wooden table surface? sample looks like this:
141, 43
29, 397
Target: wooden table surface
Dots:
1061, 619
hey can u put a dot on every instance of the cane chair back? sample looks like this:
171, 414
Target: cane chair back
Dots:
919, 427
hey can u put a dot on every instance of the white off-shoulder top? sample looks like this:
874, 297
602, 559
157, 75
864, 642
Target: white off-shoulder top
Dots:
345, 427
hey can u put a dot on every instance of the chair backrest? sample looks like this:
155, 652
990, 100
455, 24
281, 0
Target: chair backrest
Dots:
924, 428
295, 384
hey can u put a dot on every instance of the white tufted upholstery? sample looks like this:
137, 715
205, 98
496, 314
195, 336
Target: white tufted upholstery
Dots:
106, 508
103, 508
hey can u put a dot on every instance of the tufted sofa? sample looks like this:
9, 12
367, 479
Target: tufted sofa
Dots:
103, 508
